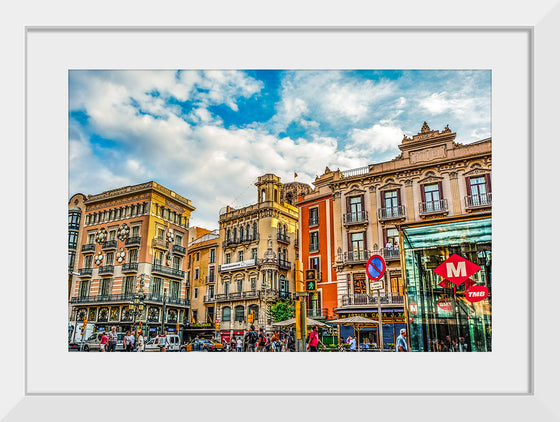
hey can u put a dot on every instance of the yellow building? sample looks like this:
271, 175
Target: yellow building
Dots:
202, 276
259, 246
133, 241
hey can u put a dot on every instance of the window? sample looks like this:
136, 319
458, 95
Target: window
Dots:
112, 235
392, 235
197, 256
313, 216
234, 234
211, 274
228, 258
255, 232
74, 220
196, 273
91, 239
177, 262
156, 286
160, 233
195, 294
248, 232
240, 285
431, 197
88, 260
283, 284
189, 261
360, 284
254, 253
255, 310
195, 314
129, 285
158, 257
241, 234
479, 190
313, 241
212, 256
110, 260
397, 284
240, 256
211, 292
226, 313
135, 231
174, 289
84, 288
239, 313
105, 288
253, 283
355, 208
390, 201
178, 239
72, 240
357, 246
226, 287
228, 237
71, 259
133, 255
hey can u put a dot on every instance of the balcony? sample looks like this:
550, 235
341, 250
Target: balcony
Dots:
153, 298
129, 267
391, 213
85, 272
433, 207
285, 265
252, 294
351, 218
133, 241
478, 201
238, 241
362, 299
391, 254
179, 250
317, 313
124, 297
109, 245
89, 247
356, 257
282, 238
107, 269
159, 243
209, 299
171, 272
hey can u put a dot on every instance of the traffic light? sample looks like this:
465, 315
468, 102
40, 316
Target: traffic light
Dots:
310, 280
217, 326
83, 326
251, 317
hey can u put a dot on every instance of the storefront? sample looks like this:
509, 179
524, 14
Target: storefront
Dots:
393, 321
442, 314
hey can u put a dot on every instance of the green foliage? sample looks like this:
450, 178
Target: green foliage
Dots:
281, 310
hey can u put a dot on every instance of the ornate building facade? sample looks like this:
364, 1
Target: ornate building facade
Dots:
259, 246
434, 180
133, 242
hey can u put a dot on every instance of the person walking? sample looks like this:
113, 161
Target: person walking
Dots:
103, 342
314, 341
112, 339
233, 344
251, 339
239, 344
352, 343
140, 343
401, 341
262, 341
291, 342
129, 340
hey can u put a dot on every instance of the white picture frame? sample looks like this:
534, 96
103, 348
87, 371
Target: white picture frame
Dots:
26, 394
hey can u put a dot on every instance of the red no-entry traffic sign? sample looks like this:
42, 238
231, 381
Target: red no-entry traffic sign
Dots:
375, 268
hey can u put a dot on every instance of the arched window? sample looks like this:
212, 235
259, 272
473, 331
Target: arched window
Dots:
234, 234
263, 195
228, 234
248, 232
255, 309
239, 313
226, 314
226, 287
241, 233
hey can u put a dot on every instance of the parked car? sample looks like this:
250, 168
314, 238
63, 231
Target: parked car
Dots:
155, 344
203, 345
93, 342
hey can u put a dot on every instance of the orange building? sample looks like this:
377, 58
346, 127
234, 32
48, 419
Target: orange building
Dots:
133, 241
316, 231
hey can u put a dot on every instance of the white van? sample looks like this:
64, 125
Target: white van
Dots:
155, 344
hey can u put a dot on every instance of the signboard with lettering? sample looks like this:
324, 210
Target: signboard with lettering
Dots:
456, 269
476, 293
236, 265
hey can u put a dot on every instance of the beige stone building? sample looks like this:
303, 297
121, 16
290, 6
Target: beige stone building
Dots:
259, 246
434, 179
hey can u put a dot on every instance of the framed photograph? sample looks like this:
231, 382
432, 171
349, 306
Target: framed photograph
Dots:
515, 379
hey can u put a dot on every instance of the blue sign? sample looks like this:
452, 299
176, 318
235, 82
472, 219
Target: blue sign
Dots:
101, 328
153, 330
172, 329
375, 268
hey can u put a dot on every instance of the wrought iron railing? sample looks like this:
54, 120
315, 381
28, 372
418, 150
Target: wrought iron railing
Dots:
363, 299
357, 256
107, 269
239, 241
110, 244
286, 265
129, 267
85, 271
313, 247
355, 217
389, 213
481, 200
158, 242
88, 247
431, 207
172, 272
390, 253
132, 241
313, 221
282, 238
317, 313
178, 249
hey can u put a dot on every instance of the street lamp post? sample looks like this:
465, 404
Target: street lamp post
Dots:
136, 306
164, 309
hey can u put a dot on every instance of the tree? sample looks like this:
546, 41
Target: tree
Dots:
281, 310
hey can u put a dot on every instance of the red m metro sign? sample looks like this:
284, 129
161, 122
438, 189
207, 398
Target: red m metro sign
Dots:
456, 269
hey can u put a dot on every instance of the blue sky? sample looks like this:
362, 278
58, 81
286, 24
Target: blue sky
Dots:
208, 135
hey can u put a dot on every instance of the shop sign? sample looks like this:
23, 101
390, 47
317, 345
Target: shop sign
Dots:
236, 265
238, 333
413, 308
445, 305
456, 269
201, 325
476, 293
